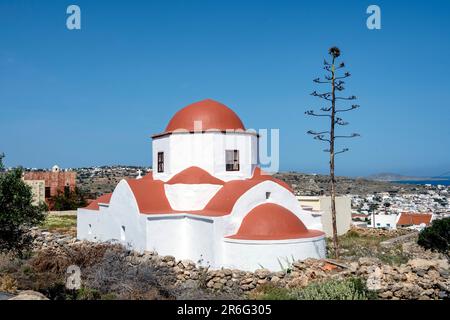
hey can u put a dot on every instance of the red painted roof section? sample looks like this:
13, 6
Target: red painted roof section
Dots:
223, 201
407, 218
106, 198
261, 175
212, 114
194, 175
150, 195
270, 221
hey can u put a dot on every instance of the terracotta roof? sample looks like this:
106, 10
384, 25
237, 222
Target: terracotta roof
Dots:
223, 201
106, 198
212, 114
408, 218
270, 221
151, 197
194, 175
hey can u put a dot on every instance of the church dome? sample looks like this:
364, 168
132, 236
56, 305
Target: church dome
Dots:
211, 115
271, 221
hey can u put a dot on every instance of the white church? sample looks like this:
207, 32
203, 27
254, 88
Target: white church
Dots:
206, 200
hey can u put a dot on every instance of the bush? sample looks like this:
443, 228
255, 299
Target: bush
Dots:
47, 260
332, 289
271, 292
85, 293
17, 212
437, 236
69, 200
142, 281
347, 289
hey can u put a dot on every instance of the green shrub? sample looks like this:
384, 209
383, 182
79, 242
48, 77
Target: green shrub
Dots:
271, 292
437, 236
69, 200
17, 212
85, 293
347, 289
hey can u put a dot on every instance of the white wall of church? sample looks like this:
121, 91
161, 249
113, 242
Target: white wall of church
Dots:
251, 255
188, 197
119, 222
184, 150
162, 145
182, 236
89, 223
248, 154
200, 240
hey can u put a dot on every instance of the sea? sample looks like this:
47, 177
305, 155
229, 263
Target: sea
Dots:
444, 182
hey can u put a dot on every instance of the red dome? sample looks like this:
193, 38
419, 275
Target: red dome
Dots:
212, 114
271, 221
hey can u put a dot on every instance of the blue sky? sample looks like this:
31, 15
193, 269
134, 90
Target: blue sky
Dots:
94, 96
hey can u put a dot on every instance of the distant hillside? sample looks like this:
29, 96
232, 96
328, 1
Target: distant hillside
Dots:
99, 180
316, 184
395, 177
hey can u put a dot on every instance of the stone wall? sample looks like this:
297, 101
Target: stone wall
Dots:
424, 276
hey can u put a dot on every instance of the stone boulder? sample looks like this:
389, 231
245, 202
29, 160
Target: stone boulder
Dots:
29, 295
424, 264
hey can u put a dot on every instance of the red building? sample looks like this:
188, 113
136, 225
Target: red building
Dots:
56, 181
407, 219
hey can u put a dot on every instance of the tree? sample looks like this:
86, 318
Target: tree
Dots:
69, 200
437, 236
17, 213
2, 155
336, 82
372, 208
386, 205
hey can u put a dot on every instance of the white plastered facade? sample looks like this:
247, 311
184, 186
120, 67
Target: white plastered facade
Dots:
183, 150
202, 238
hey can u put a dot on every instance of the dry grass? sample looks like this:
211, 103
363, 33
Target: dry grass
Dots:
108, 271
49, 260
60, 223
8, 283
366, 243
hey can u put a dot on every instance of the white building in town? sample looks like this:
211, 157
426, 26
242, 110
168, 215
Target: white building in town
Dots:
321, 205
409, 220
206, 199
383, 221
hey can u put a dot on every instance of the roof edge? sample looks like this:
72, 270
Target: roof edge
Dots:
244, 132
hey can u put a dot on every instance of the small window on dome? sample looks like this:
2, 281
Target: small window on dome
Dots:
267, 195
160, 161
232, 160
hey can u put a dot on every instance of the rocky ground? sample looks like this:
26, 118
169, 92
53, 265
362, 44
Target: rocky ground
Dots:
422, 275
